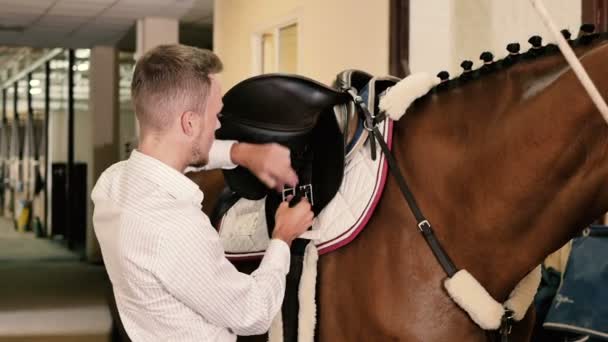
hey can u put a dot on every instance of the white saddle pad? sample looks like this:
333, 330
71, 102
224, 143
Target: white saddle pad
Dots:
243, 230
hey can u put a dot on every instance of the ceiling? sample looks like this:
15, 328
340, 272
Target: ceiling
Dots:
85, 23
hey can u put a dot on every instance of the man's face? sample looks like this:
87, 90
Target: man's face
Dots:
209, 124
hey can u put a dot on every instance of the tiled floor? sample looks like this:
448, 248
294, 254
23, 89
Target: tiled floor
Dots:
48, 294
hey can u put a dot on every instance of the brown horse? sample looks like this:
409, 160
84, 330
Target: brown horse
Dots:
508, 167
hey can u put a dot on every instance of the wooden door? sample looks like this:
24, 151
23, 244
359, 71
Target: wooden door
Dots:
596, 12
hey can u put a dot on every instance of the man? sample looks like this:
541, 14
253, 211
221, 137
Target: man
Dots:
167, 266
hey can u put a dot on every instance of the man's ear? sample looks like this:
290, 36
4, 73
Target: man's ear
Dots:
188, 122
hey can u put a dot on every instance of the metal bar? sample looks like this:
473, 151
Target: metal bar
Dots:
30, 110
39, 62
576, 65
3, 157
18, 152
30, 119
70, 162
71, 62
15, 102
3, 105
47, 110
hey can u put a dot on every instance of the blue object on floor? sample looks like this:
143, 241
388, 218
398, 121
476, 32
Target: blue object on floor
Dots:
581, 304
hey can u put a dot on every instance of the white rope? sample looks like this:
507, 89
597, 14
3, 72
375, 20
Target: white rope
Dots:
576, 65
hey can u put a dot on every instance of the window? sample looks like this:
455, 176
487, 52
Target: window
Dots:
288, 49
278, 50
268, 53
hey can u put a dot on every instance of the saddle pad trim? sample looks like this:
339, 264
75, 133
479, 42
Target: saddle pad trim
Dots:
346, 237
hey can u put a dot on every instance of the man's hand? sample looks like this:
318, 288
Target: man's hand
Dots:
292, 222
269, 162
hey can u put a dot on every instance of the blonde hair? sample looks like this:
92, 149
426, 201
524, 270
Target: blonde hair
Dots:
169, 80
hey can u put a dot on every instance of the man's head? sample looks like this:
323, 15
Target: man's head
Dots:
177, 98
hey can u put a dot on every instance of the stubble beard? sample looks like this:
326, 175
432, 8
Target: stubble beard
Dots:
198, 159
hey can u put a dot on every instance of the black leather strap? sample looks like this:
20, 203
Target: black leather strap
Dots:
291, 303
506, 324
423, 224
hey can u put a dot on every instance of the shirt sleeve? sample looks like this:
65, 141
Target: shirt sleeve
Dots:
219, 157
193, 268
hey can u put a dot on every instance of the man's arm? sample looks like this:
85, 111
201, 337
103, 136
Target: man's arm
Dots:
220, 156
271, 163
193, 268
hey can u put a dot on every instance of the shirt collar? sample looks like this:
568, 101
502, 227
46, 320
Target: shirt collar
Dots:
166, 177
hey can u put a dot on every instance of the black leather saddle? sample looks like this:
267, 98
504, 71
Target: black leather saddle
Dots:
296, 112
311, 119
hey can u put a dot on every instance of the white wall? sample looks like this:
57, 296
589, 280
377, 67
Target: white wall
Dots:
430, 35
445, 32
153, 31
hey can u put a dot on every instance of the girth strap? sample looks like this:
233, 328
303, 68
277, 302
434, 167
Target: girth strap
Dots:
423, 224
291, 305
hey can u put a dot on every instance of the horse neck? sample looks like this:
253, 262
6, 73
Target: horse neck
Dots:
566, 155
507, 177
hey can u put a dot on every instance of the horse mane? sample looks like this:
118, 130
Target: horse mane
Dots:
586, 38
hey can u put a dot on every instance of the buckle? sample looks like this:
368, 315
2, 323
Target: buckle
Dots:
287, 192
369, 125
506, 323
305, 190
422, 225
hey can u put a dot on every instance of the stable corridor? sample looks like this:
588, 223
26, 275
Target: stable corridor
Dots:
48, 294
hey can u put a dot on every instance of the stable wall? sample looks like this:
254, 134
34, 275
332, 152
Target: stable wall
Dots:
443, 33
332, 35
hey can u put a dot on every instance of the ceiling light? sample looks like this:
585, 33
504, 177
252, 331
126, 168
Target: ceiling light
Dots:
59, 64
82, 53
34, 83
35, 91
84, 66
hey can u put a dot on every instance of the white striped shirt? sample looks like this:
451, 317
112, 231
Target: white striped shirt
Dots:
170, 277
